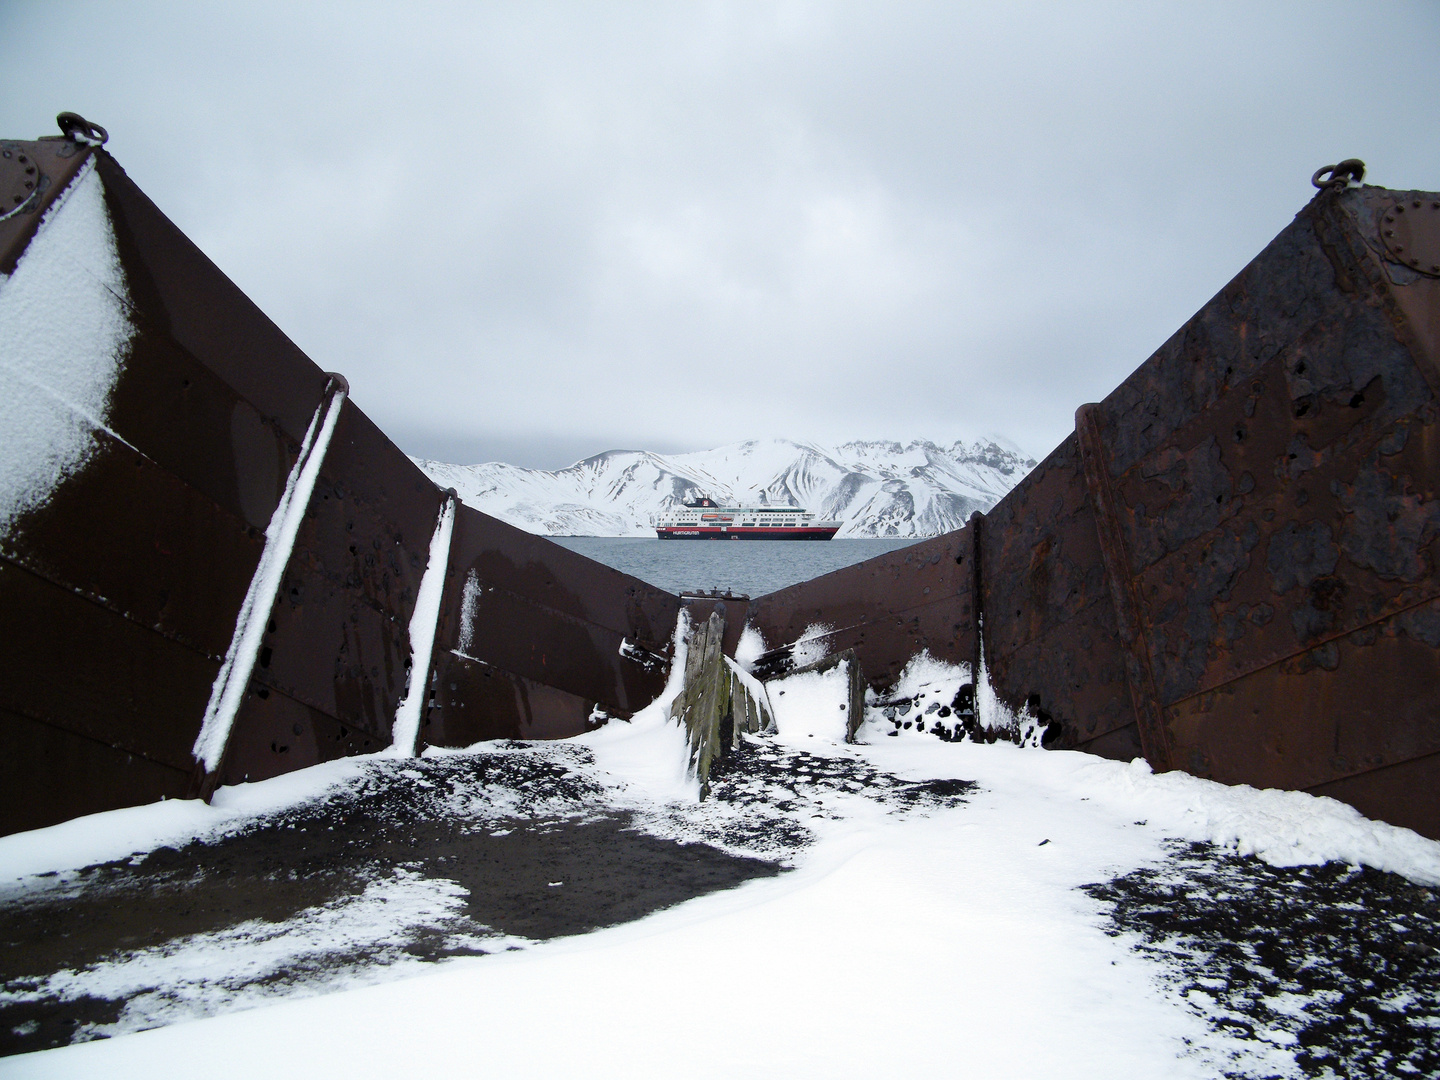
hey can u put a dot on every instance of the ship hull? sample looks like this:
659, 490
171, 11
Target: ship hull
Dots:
742, 533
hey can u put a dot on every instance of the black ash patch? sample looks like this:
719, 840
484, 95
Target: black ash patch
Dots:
1339, 965
520, 841
763, 796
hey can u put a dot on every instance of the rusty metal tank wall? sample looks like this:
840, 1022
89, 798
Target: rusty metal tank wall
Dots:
1273, 472
1230, 567
887, 609
119, 594
532, 638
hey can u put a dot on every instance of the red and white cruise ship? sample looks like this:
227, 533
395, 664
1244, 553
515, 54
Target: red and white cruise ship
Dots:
703, 520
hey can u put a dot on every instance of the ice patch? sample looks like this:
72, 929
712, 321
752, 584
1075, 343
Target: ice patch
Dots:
469, 605
257, 961
813, 645
993, 714
754, 686
64, 336
652, 751
280, 534
1283, 828
114, 834
422, 634
749, 648
809, 707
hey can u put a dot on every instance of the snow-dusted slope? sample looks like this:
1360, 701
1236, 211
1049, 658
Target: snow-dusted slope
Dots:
874, 488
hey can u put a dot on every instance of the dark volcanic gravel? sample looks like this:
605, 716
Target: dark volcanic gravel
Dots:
431, 817
535, 848
1345, 960
780, 789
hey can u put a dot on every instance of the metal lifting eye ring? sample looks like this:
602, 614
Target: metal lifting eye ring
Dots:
76, 127
1337, 176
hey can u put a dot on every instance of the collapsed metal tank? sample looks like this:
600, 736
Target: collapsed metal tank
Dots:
1230, 566
214, 567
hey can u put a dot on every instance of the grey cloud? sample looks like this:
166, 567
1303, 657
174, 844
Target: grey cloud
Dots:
678, 225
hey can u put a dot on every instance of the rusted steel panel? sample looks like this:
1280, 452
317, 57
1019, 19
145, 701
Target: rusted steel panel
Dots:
887, 609
472, 700
1248, 528
179, 414
1408, 295
1290, 505
1275, 476
558, 579
1403, 793
182, 294
911, 577
32, 175
122, 591
77, 666
1132, 630
515, 634
1041, 559
1359, 702
338, 637
41, 759
1051, 628
1072, 675
1268, 306
280, 734
533, 636
1325, 548
134, 539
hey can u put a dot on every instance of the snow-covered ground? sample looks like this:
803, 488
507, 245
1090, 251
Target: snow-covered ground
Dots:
876, 489
908, 906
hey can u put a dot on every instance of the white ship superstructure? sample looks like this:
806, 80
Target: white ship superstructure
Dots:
704, 520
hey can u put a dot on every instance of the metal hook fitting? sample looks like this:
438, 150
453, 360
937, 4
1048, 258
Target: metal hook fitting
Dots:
76, 128
1339, 176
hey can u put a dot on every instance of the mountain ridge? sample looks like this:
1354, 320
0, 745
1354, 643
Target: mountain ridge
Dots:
874, 488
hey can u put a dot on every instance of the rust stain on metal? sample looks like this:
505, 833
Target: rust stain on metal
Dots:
1410, 231
32, 176
1244, 532
121, 592
1154, 739
1230, 566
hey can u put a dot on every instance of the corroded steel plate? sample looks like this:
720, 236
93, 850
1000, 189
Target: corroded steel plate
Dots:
1410, 229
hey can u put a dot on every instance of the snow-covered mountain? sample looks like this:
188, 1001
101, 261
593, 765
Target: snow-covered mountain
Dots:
875, 488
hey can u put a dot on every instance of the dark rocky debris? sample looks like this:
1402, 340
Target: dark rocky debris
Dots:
537, 846
1343, 960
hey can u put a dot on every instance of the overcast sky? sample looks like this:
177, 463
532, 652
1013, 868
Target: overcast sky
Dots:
531, 232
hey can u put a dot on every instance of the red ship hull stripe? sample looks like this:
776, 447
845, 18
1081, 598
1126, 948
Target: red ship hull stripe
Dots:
740, 532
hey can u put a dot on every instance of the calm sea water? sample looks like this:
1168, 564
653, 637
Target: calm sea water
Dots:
752, 567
